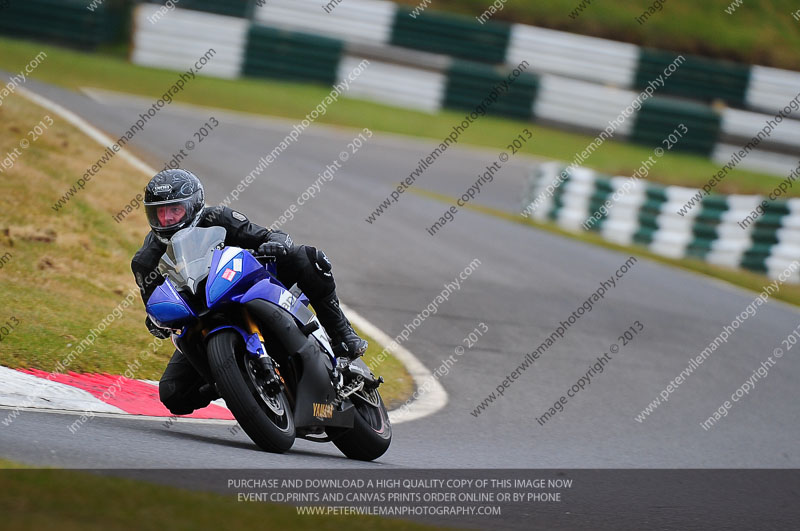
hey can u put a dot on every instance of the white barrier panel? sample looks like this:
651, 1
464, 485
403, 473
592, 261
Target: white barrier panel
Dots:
357, 21
674, 232
732, 241
746, 124
771, 88
623, 215
544, 175
577, 56
758, 160
575, 201
582, 104
787, 249
179, 38
395, 85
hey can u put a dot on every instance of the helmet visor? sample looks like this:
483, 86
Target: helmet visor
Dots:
165, 215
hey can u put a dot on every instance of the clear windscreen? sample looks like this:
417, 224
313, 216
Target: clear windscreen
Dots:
188, 257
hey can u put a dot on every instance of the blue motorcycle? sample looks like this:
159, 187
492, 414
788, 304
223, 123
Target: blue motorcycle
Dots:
264, 349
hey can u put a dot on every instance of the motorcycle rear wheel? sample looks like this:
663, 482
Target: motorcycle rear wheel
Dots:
371, 434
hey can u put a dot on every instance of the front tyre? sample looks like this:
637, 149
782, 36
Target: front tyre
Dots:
371, 433
267, 420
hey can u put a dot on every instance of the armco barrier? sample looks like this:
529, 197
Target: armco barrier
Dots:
770, 87
577, 56
457, 36
173, 42
381, 22
231, 8
289, 55
66, 21
353, 21
661, 116
392, 84
698, 78
738, 125
428, 82
582, 105
593, 59
469, 83
642, 213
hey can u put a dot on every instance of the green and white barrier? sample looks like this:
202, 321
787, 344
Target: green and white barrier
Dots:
384, 23
246, 48
298, 40
631, 211
597, 60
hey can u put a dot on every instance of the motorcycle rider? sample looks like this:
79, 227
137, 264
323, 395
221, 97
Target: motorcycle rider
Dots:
174, 199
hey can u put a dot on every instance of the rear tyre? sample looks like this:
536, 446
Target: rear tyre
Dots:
371, 433
267, 420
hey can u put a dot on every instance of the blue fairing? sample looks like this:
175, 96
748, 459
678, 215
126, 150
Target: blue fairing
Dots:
251, 341
234, 277
228, 268
167, 308
273, 291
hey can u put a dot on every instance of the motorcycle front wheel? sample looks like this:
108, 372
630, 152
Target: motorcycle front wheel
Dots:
266, 419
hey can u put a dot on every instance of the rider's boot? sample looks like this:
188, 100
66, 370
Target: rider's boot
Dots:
344, 339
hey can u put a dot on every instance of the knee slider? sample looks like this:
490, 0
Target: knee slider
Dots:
319, 261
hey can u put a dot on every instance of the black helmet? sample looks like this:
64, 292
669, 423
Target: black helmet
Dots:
173, 200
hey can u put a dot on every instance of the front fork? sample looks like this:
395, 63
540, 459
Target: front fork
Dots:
273, 381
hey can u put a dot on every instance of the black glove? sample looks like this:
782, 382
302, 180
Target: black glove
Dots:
157, 331
276, 249
277, 245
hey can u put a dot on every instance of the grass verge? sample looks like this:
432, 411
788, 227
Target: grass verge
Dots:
69, 500
74, 70
762, 33
745, 279
65, 271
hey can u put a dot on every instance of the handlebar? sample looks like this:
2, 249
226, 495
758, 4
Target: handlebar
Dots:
267, 258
